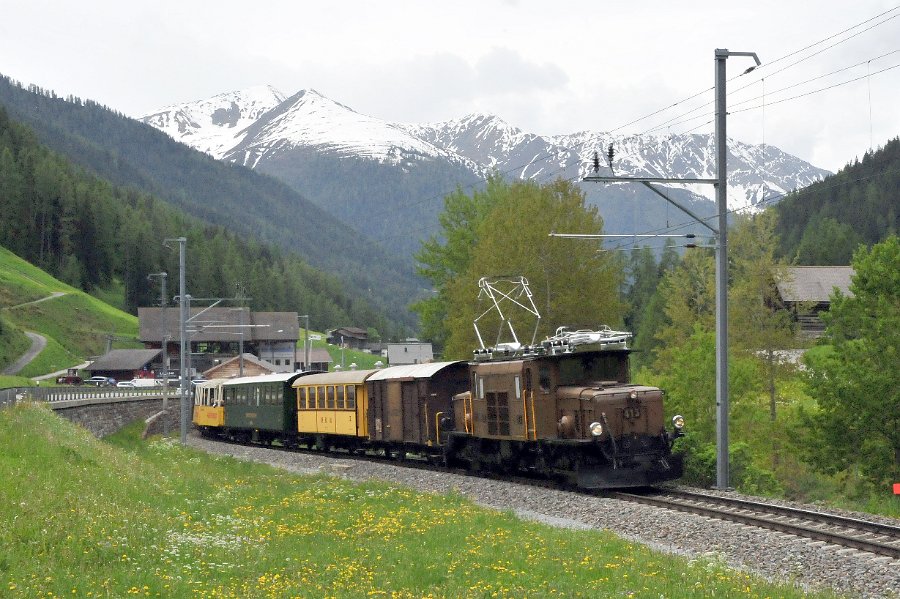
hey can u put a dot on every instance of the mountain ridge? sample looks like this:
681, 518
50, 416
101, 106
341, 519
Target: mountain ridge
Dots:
484, 143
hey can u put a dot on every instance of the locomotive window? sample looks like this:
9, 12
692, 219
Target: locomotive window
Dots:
481, 387
518, 388
577, 370
351, 397
340, 397
528, 380
330, 390
544, 374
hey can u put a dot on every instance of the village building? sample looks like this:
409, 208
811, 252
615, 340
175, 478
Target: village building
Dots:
411, 352
126, 364
806, 291
349, 337
218, 334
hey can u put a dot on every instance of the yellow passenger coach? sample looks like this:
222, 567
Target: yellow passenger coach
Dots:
333, 403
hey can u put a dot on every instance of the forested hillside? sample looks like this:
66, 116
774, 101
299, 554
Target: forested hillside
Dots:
90, 233
824, 223
128, 153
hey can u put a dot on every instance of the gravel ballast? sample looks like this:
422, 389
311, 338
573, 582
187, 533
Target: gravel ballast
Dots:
772, 555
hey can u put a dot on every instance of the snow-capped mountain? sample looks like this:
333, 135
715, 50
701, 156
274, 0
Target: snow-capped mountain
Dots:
217, 124
262, 129
310, 120
754, 172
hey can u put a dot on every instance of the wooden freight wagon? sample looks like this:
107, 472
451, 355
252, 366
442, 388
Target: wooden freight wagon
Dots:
411, 405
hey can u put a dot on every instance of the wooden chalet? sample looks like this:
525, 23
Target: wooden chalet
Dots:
351, 337
806, 291
126, 364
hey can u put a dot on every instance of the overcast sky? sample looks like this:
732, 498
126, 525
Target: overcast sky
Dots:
547, 68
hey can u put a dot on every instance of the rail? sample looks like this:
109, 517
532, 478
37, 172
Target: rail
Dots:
880, 539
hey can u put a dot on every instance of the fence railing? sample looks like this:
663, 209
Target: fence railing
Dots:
53, 394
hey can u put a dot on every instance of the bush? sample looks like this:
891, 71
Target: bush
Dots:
745, 476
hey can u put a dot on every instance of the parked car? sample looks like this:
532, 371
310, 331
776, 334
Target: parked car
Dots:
146, 382
100, 381
69, 379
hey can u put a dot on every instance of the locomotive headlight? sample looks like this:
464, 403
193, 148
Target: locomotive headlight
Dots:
596, 429
633, 394
678, 421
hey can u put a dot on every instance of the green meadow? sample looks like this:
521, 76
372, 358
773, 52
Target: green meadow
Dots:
151, 518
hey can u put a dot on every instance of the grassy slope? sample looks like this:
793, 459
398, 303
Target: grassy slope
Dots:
75, 324
126, 517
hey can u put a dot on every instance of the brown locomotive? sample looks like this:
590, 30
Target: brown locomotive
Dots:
565, 410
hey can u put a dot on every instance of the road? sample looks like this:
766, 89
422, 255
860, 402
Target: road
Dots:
38, 343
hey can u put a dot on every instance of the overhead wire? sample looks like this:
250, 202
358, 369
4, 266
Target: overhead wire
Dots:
578, 149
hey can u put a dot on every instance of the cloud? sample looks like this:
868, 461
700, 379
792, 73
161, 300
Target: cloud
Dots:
431, 87
504, 71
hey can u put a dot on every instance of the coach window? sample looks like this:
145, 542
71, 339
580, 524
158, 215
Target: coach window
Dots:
330, 391
320, 397
340, 397
351, 397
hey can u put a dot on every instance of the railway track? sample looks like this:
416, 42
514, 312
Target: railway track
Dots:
863, 535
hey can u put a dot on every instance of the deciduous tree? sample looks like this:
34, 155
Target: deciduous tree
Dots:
857, 384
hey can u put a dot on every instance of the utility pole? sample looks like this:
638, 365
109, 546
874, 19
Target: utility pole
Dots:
305, 342
720, 231
184, 349
165, 345
722, 471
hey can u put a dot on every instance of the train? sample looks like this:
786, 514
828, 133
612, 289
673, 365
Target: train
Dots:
562, 409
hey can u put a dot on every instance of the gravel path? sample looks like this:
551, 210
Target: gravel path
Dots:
773, 555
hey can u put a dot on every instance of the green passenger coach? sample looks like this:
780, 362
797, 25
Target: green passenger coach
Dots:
260, 408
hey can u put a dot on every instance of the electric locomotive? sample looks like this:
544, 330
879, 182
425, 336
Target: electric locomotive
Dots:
563, 408
566, 410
